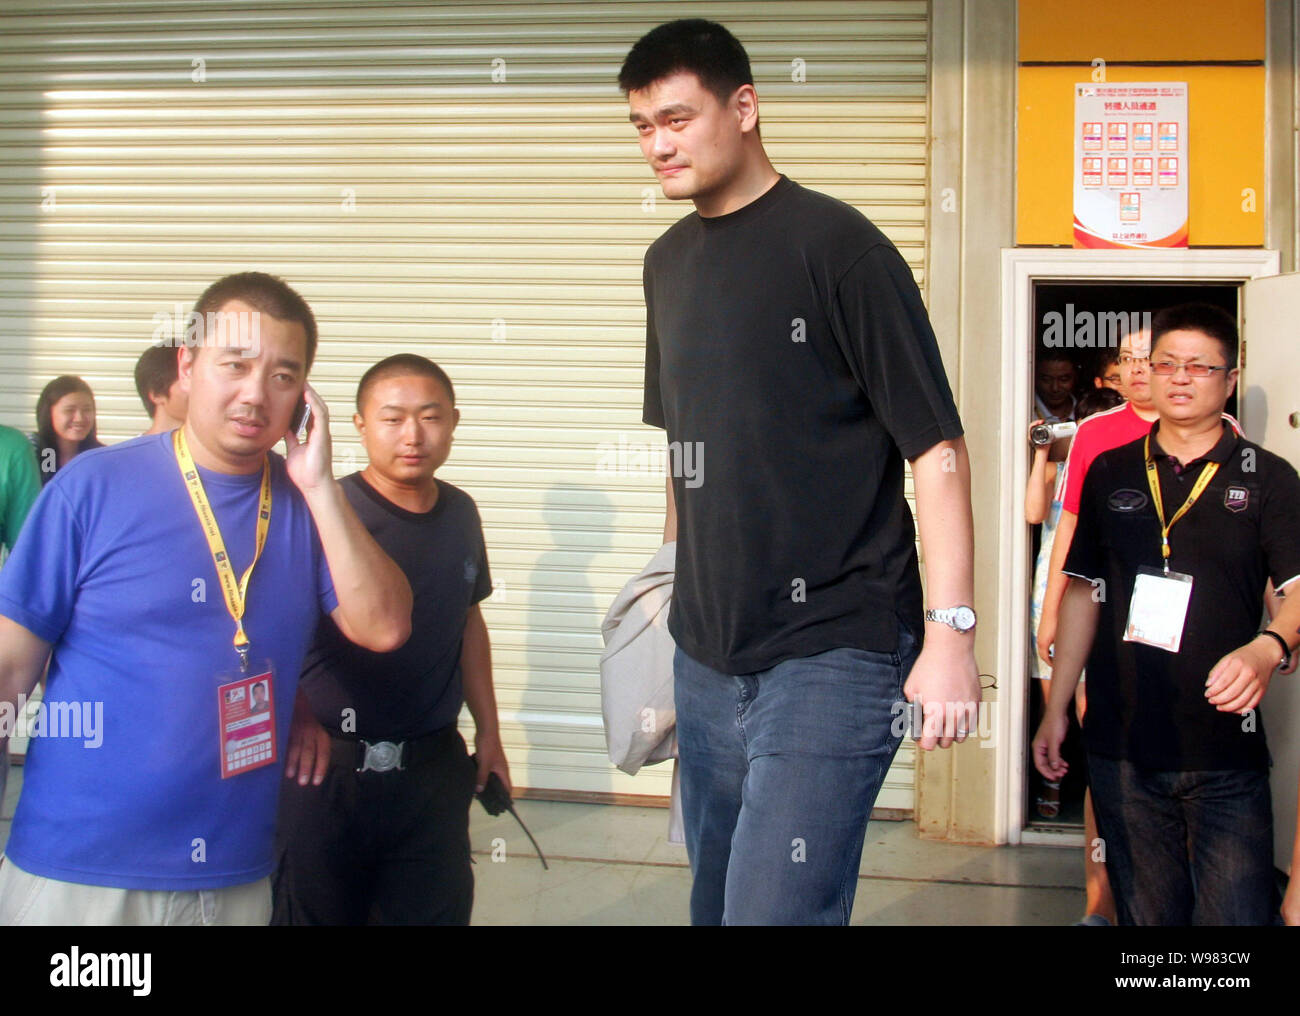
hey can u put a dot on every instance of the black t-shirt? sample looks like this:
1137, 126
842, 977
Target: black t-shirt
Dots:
416, 689
787, 348
1147, 705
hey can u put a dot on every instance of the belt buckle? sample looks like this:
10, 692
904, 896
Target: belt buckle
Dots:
382, 756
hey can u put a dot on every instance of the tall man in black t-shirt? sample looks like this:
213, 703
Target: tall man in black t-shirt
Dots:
385, 838
1178, 535
786, 338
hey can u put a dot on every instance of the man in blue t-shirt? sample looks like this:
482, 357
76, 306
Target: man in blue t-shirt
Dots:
150, 788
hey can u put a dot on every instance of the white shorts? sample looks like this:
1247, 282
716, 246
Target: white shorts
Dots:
32, 900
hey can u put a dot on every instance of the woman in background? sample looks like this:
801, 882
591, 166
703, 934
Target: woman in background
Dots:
65, 424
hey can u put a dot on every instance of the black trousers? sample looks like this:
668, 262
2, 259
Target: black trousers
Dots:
379, 848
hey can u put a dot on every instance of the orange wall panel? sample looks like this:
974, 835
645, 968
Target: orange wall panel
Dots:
1225, 151
1118, 30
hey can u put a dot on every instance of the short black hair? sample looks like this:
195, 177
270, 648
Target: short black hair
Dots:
155, 373
403, 365
1205, 318
704, 48
1096, 401
267, 293
1055, 354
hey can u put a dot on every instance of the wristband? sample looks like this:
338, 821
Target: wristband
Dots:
1286, 650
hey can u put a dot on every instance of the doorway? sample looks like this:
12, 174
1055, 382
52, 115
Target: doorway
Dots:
1086, 284
1079, 325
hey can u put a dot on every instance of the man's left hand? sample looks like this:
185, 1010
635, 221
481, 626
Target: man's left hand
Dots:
309, 462
1291, 903
946, 681
1239, 680
491, 759
308, 756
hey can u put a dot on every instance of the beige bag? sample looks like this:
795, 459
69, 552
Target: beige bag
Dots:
636, 668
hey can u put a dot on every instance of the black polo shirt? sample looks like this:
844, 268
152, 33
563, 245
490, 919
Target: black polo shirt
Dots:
1147, 705
416, 689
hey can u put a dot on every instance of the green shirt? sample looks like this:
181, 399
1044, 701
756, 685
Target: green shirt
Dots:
20, 482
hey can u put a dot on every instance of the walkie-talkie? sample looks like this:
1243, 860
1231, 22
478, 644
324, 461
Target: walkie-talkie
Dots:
495, 799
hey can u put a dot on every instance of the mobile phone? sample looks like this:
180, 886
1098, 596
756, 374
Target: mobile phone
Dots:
301, 422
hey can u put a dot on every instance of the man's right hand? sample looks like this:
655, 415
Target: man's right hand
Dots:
1047, 746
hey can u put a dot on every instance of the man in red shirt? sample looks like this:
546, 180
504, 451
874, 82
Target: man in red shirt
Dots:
1097, 434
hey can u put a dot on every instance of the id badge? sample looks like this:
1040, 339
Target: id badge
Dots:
246, 714
1158, 609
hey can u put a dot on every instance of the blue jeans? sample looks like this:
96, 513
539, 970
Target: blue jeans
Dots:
1186, 847
779, 772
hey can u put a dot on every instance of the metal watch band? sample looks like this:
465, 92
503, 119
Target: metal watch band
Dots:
949, 615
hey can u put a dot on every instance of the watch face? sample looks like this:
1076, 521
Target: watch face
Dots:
963, 618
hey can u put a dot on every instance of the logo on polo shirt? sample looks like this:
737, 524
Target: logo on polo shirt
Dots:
1235, 499
1127, 500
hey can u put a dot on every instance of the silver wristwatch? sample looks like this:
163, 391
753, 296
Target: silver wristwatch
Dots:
960, 618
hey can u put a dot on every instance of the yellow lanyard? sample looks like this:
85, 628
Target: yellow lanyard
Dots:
1153, 481
236, 593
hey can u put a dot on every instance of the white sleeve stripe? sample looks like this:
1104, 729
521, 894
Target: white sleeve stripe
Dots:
1282, 585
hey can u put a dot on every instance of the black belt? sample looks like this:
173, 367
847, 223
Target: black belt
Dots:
362, 756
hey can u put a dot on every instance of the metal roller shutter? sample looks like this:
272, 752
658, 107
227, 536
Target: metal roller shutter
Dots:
455, 179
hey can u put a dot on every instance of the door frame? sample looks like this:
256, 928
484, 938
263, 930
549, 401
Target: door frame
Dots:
1021, 268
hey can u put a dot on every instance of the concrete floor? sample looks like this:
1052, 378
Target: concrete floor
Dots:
615, 866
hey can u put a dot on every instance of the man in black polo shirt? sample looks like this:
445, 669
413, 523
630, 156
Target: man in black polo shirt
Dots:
385, 838
1178, 535
788, 353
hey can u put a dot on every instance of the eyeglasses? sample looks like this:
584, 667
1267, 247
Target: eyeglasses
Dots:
1165, 368
1125, 358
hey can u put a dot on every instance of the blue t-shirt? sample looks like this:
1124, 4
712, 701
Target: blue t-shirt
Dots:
113, 569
